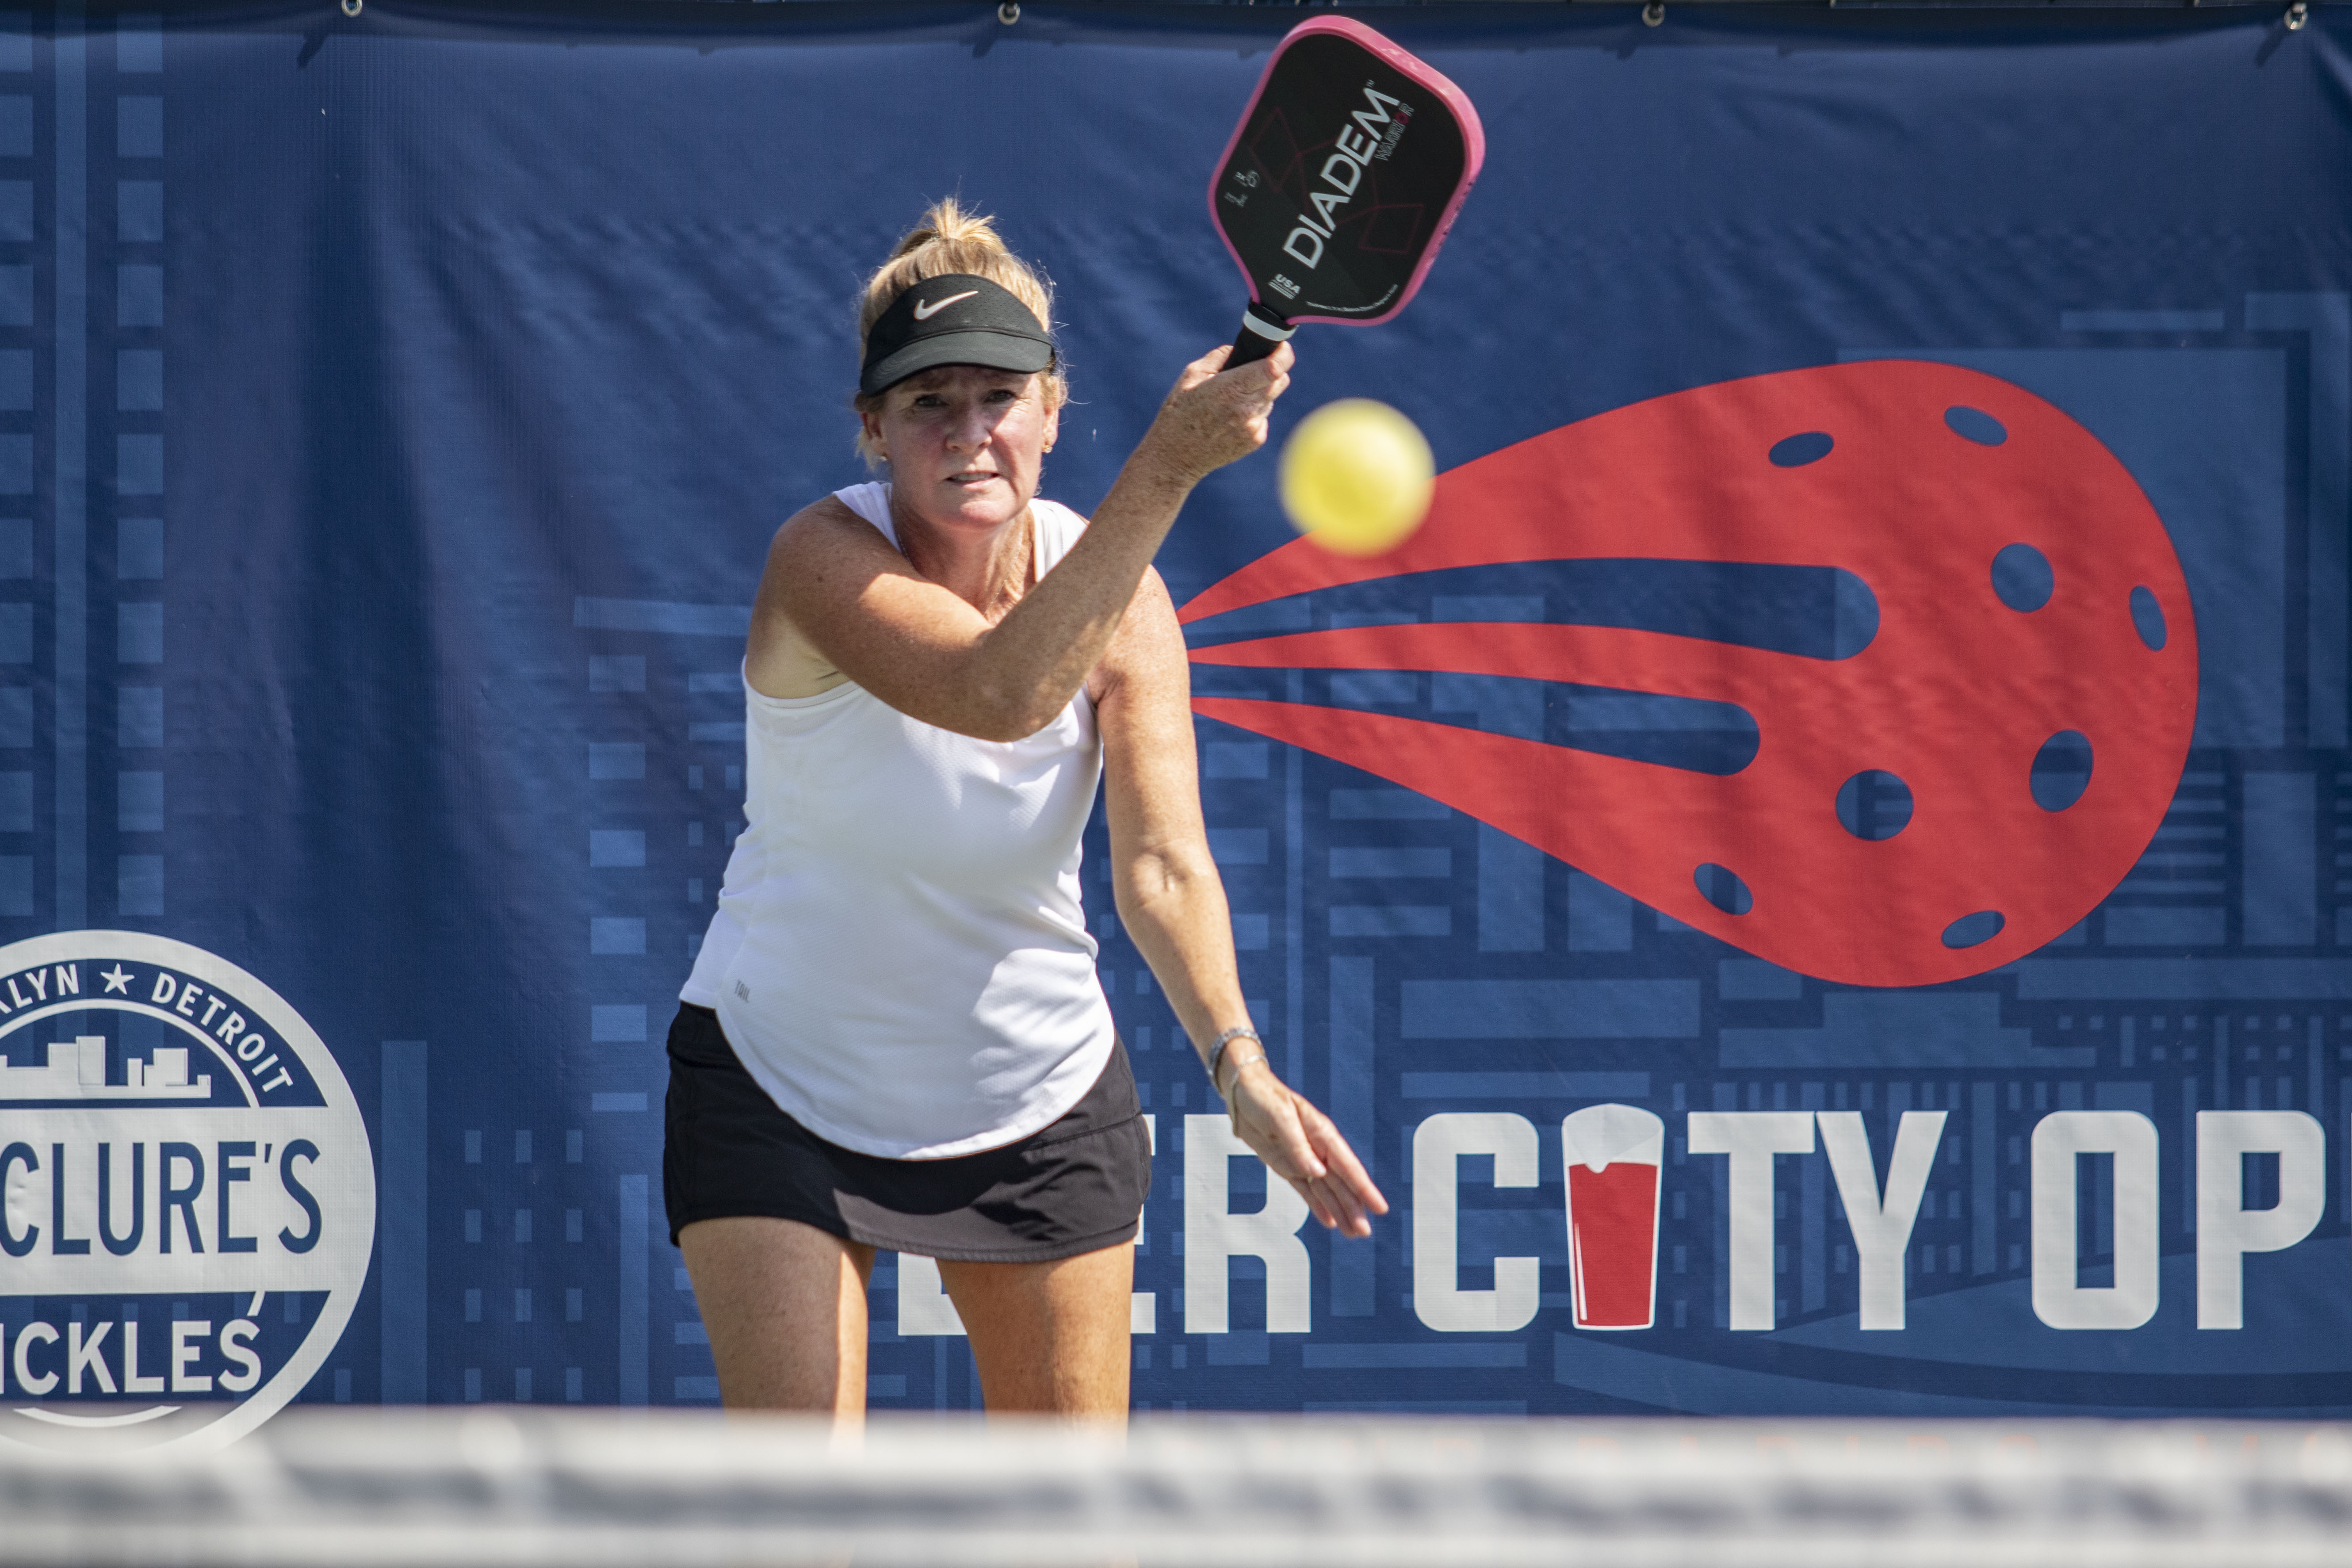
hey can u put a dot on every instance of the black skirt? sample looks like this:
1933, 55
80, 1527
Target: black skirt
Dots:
1075, 1186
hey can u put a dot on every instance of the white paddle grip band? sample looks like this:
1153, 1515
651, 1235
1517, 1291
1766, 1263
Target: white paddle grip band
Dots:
1266, 329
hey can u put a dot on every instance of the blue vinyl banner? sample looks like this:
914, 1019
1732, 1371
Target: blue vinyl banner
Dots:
1819, 881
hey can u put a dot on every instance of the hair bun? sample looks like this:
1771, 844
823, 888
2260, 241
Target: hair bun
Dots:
946, 223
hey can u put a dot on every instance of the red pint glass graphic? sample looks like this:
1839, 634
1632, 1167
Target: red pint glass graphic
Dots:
1612, 1153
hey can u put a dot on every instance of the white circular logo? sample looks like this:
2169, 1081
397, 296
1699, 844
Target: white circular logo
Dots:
189, 1195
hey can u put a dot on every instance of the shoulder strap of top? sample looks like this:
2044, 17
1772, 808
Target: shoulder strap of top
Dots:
1058, 529
1058, 526
872, 502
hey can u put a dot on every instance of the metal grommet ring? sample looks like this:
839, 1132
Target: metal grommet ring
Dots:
1008, 12
2297, 14
1653, 13
351, 8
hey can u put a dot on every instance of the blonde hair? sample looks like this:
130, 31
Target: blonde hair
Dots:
950, 240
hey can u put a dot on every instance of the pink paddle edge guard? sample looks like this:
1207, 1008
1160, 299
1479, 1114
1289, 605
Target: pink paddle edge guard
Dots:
1474, 144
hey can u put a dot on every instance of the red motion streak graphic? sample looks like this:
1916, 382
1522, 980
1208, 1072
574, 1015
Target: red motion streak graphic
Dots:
1956, 695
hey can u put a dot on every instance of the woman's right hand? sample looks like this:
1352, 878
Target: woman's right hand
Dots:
1214, 416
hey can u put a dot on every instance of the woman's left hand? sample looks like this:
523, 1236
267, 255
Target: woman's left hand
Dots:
1299, 1144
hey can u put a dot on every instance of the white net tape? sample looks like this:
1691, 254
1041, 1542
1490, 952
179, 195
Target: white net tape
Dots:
582, 1490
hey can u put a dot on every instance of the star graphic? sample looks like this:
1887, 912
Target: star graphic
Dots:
116, 980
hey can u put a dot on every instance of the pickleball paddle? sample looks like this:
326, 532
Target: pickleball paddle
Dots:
2030, 604
1340, 181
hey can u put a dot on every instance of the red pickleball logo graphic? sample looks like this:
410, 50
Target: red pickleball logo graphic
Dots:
2030, 606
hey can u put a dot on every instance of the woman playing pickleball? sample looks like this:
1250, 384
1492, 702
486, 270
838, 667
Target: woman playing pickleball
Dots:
894, 1037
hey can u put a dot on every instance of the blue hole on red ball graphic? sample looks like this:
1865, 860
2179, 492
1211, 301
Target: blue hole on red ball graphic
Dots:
1975, 424
1974, 931
1796, 451
2022, 578
2148, 619
2061, 770
1721, 886
1874, 805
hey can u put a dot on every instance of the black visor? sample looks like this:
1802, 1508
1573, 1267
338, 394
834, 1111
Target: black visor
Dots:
956, 320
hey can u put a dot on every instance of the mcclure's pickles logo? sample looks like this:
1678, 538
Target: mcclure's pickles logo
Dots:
189, 1195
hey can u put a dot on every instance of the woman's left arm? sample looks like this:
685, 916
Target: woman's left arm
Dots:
1174, 905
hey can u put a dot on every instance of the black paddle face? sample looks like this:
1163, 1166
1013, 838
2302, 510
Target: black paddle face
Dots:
1337, 185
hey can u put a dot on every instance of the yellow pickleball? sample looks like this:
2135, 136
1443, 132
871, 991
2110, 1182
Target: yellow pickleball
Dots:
1356, 477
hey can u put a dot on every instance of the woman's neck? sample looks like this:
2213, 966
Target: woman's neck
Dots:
989, 571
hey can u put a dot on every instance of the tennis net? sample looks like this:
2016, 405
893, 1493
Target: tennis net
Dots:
503, 1486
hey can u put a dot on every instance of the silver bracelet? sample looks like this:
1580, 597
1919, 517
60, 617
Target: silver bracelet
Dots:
1233, 1107
1217, 1051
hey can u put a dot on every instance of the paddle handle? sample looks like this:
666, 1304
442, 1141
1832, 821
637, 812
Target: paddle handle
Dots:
1261, 332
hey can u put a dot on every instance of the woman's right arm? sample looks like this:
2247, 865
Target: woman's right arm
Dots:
834, 586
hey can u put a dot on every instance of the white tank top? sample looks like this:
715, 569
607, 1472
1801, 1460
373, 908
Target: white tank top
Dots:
900, 954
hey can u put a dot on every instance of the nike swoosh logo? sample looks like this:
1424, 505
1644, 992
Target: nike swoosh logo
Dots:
924, 312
